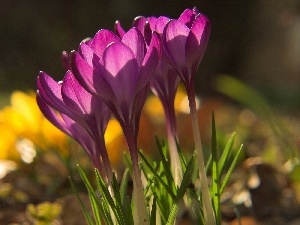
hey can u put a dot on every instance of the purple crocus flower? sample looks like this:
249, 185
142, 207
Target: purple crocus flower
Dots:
77, 113
184, 43
163, 83
185, 40
117, 71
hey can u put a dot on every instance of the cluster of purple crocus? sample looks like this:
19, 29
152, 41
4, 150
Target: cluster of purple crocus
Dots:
112, 73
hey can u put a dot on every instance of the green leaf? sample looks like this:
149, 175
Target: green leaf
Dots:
215, 189
173, 214
208, 163
153, 212
95, 210
83, 208
186, 180
164, 210
127, 161
168, 189
196, 205
226, 153
92, 194
181, 156
108, 200
165, 163
150, 182
230, 170
124, 185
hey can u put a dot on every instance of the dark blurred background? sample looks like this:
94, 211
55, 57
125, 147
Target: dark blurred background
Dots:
257, 41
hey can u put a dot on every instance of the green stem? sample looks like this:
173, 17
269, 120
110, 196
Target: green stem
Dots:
140, 214
207, 205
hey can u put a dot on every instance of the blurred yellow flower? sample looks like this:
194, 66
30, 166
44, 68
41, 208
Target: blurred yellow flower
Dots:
7, 145
22, 120
115, 143
23, 128
154, 108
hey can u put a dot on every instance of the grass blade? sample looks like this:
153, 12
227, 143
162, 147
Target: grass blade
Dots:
173, 214
168, 189
153, 212
124, 185
226, 153
186, 180
165, 163
232, 166
83, 208
215, 188
94, 198
95, 210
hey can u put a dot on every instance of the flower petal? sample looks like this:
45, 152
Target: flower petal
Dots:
149, 28
87, 53
174, 36
188, 16
160, 24
152, 21
150, 62
119, 29
50, 91
136, 42
101, 40
165, 81
51, 115
197, 40
139, 22
76, 98
87, 41
81, 135
92, 80
122, 70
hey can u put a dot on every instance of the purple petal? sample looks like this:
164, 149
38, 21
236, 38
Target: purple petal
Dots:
76, 98
122, 69
135, 41
139, 22
196, 11
87, 41
165, 81
102, 118
149, 28
150, 61
188, 16
101, 40
197, 40
160, 24
152, 21
81, 135
91, 79
174, 36
87, 53
119, 29
51, 115
68, 126
50, 91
